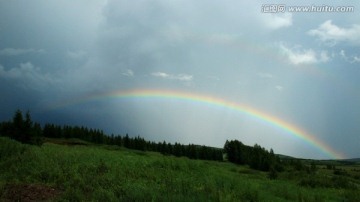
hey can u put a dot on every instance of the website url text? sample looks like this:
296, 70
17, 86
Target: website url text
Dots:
281, 8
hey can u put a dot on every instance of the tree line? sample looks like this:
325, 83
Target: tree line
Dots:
23, 129
256, 157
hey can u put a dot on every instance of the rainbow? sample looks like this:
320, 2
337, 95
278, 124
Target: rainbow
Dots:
204, 99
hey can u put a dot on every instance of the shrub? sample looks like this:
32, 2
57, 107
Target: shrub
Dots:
342, 182
337, 182
352, 196
9, 148
273, 174
251, 195
315, 182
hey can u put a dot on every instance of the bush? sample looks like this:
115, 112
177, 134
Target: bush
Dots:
314, 182
251, 195
273, 174
337, 182
341, 182
352, 196
9, 148
340, 172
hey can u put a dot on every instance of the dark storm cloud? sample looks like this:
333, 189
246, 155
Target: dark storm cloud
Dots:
282, 64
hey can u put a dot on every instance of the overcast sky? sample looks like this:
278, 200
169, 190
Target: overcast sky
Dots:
301, 67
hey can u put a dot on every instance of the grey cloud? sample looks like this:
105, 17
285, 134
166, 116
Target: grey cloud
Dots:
93, 47
28, 75
18, 51
76, 54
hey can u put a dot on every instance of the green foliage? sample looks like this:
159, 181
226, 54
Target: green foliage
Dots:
22, 130
10, 148
336, 182
104, 173
315, 182
137, 143
26, 131
256, 157
352, 195
273, 174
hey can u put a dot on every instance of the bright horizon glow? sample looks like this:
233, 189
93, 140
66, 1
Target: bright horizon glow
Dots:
273, 121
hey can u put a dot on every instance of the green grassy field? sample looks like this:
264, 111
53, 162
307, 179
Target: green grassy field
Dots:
61, 172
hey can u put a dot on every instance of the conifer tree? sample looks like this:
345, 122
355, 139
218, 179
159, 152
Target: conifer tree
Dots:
17, 126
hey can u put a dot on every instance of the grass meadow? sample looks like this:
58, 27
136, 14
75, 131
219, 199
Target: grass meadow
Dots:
110, 173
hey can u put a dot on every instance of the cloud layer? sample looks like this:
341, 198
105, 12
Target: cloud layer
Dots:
17, 51
293, 66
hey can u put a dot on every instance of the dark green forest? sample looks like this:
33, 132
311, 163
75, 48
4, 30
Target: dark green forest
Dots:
23, 129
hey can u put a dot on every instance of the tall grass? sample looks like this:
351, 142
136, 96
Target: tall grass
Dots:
102, 173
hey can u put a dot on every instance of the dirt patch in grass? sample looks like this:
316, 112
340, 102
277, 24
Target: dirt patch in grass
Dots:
29, 192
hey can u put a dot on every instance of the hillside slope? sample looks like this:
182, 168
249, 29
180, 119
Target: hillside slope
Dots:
111, 173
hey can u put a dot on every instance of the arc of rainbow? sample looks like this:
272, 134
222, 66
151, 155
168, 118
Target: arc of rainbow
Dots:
166, 94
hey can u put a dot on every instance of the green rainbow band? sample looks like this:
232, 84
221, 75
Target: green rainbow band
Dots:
165, 94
